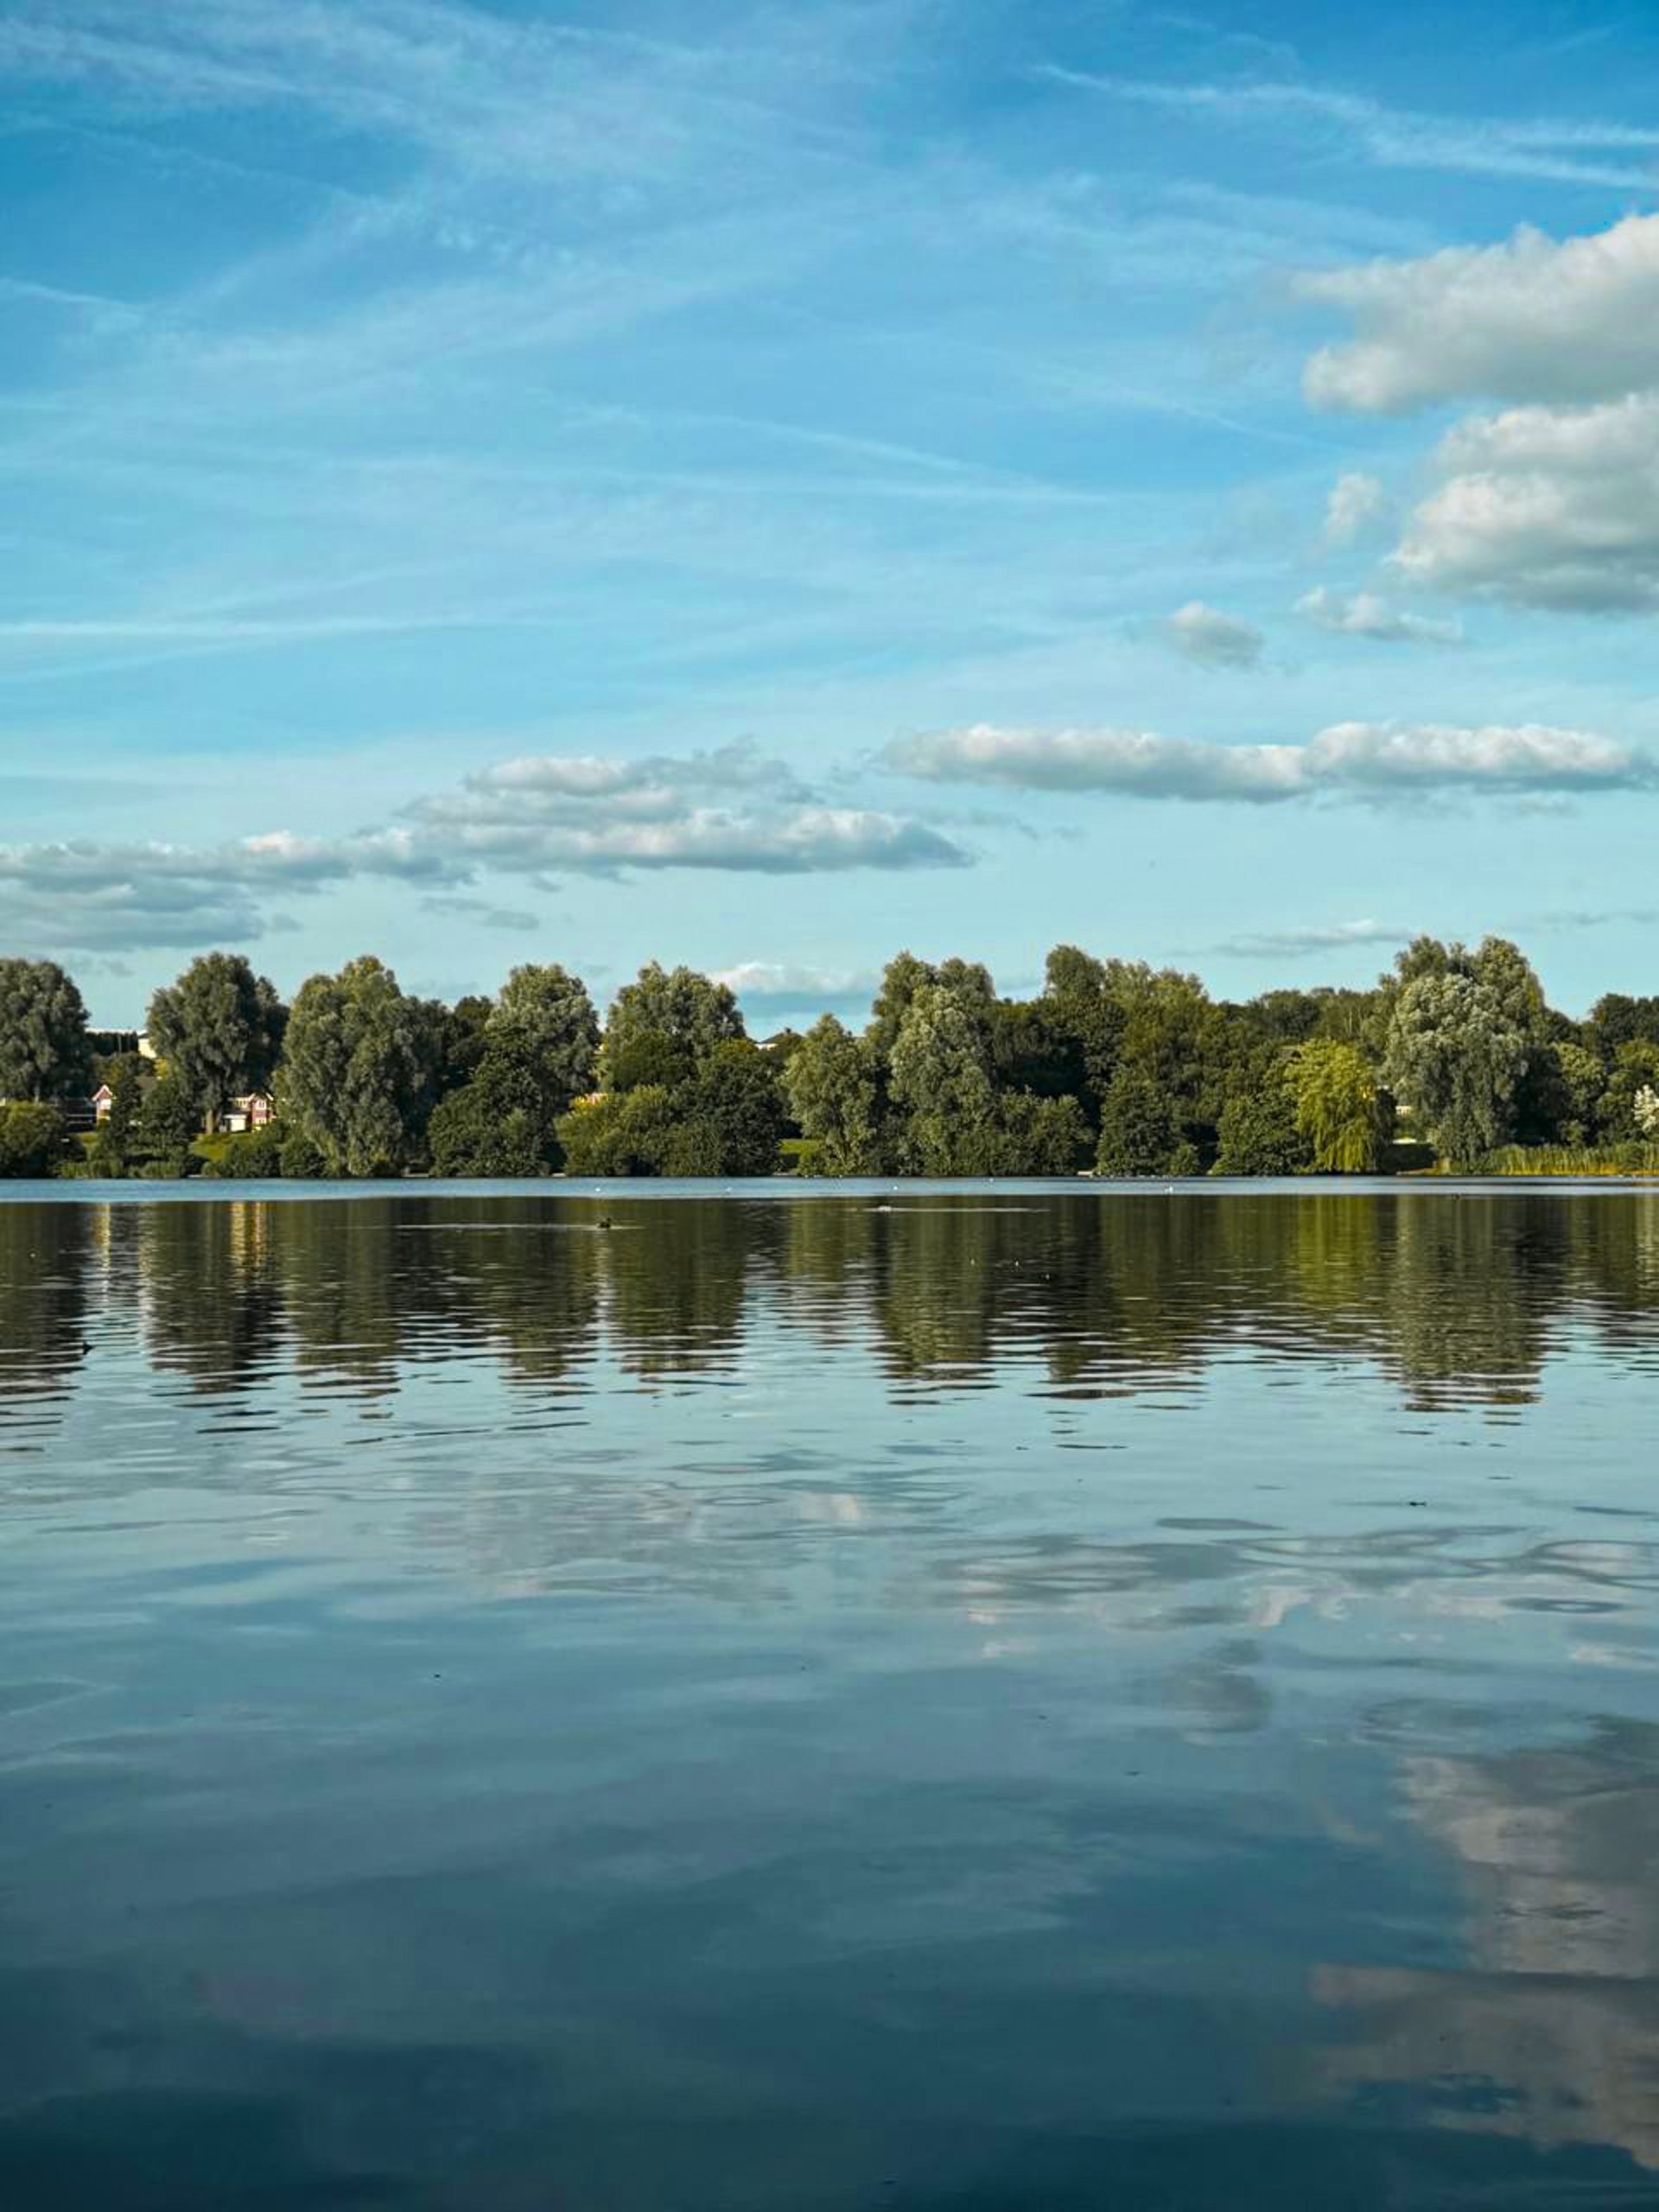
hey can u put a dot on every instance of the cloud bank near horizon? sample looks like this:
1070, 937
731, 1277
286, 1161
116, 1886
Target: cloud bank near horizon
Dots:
1373, 761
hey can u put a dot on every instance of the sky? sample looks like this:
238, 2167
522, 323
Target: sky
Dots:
492, 481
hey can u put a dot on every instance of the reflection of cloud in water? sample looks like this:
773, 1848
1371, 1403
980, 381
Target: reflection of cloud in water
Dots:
1551, 2032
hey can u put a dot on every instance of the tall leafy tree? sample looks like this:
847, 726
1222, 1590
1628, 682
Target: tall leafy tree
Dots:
940, 1074
358, 1068
735, 1109
165, 1127
43, 1045
219, 1028
1141, 1131
662, 1024
834, 1088
1456, 1056
546, 1017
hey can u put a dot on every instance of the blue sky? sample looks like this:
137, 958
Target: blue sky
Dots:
487, 482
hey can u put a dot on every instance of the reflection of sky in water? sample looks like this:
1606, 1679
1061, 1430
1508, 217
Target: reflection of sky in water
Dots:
971, 1704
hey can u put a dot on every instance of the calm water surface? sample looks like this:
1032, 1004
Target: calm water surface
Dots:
977, 1699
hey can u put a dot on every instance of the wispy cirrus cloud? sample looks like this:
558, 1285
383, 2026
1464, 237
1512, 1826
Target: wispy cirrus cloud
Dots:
1328, 936
1560, 151
1374, 762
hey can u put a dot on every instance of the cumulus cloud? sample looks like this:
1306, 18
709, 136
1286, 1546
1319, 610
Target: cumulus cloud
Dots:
87, 896
769, 985
1546, 507
1212, 638
1358, 505
1286, 944
1363, 614
1369, 760
734, 810
1532, 319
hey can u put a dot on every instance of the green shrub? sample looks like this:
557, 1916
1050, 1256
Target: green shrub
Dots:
35, 1140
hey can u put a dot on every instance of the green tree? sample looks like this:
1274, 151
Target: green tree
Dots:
485, 1128
1141, 1131
1617, 1019
623, 1133
113, 1148
904, 975
737, 1107
1583, 1077
1039, 1134
359, 1064
33, 1140
1257, 1134
44, 1052
219, 1028
548, 1016
1340, 1110
940, 1075
1635, 1068
1087, 1012
1455, 1058
661, 1024
834, 1088
165, 1128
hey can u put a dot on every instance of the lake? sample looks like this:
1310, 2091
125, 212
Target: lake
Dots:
829, 1696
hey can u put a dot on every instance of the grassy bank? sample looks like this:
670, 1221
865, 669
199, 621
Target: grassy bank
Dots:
1571, 1159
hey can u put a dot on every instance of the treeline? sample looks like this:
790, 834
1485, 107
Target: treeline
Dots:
1132, 1070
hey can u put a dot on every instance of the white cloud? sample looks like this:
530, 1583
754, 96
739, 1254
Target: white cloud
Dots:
733, 808
1370, 760
1534, 319
86, 896
1562, 152
1212, 638
1331, 936
773, 984
1363, 614
1358, 505
1545, 506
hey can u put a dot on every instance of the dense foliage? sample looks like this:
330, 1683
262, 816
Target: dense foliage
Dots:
1113, 1065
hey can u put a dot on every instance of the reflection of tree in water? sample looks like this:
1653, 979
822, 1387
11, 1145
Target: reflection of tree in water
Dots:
45, 1253
211, 1304
678, 1279
825, 1262
1460, 1300
1474, 1288
941, 1298
1551, 2030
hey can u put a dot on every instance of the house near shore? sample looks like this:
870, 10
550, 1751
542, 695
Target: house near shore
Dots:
254, 1111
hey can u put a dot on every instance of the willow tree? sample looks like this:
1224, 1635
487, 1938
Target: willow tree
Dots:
1338, 1107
